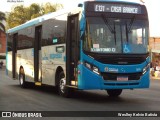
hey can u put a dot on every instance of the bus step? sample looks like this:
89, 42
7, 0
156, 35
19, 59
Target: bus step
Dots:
38, 83
70, 86
74, 82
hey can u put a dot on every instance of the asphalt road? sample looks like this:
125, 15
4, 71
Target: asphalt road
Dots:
15, 98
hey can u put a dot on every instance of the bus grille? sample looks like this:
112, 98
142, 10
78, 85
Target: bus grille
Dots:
121, 60
121, 84
113, 76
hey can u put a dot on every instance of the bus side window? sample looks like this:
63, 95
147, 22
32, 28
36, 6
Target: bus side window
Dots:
53, 32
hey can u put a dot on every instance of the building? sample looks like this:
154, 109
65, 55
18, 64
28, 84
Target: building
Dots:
154, 44
2, 42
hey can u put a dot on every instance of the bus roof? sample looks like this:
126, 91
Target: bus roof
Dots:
37, 20
60, 12
123, 1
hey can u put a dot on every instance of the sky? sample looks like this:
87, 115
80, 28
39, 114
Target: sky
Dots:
152, 7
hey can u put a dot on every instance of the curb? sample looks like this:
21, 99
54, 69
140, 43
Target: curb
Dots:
155, 78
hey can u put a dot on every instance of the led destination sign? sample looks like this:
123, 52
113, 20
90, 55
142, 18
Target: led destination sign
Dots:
115, 8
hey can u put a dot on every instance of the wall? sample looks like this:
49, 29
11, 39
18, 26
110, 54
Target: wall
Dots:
154, 43
2, 42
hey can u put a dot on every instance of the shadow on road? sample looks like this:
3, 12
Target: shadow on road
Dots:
78, 95
95, 96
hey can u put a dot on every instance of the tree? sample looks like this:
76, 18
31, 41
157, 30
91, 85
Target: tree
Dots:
48, 7
2, 17
34, 11
21, 14
18, 16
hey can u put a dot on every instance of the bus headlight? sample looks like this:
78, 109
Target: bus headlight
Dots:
95, 70
146, 68
92, 67
88, 65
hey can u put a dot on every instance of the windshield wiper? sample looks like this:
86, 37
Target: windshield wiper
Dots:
127, 32
115, 39
107, 23
109, 27
128, 29
130, 24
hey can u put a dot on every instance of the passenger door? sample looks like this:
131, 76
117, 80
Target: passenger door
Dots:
37, 56
14, 56
72, 49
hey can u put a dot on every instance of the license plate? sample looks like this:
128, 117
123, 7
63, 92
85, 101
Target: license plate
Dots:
122, 78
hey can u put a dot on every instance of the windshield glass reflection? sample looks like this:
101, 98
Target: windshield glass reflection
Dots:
116, 35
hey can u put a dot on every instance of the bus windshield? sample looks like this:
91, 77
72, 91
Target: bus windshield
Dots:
116, 35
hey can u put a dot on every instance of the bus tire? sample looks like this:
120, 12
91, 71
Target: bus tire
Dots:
22, 81
62, 89
114, 93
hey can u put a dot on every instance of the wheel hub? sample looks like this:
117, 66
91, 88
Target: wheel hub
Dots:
21, 79
62, 85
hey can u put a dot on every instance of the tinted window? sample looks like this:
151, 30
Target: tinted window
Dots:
26, 38
53, 32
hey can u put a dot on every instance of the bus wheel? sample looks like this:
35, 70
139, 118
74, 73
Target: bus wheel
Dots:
22, 79
114, 93
63, 90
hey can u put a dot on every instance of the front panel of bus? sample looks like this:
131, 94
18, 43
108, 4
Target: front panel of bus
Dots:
114, 52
